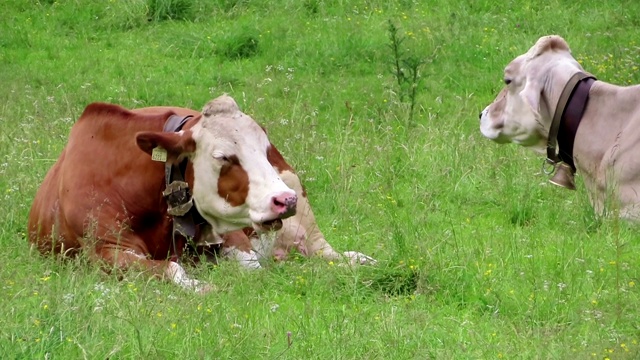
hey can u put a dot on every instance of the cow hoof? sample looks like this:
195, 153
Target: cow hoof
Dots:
356, 258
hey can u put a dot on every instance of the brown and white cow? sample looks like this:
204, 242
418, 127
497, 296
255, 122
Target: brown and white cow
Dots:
299, 232
105, 193
550, 101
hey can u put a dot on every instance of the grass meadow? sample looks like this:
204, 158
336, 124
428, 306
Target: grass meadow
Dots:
479, 256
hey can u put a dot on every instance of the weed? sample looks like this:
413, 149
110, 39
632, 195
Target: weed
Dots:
406, 69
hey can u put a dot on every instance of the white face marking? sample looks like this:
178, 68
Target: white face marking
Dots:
224, 131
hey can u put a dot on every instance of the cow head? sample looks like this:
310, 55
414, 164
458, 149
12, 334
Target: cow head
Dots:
234, 185
522, 112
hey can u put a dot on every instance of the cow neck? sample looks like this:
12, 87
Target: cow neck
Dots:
566, 119
178, 195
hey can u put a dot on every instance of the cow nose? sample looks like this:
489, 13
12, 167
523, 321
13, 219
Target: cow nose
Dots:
284, 204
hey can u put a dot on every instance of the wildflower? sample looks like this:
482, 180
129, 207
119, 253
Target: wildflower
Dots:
562, 286
632, 283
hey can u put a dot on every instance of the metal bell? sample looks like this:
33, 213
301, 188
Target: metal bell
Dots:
564, 177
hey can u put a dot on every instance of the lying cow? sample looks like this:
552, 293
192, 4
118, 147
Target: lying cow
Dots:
549, 99
105, 192
299, 232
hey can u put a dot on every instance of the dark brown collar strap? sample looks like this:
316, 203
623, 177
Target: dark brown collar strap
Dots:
566, 119
177, 193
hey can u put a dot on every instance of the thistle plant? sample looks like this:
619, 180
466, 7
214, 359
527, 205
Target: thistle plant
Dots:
406, 69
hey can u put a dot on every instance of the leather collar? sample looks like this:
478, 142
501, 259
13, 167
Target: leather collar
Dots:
566, 119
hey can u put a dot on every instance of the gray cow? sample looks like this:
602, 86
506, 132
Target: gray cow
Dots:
550, 103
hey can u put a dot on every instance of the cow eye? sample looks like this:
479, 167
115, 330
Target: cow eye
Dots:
221, 157
507, 81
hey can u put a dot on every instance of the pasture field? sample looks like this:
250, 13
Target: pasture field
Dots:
479, 256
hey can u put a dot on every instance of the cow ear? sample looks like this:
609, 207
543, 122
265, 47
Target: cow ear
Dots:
176, 144
531, 95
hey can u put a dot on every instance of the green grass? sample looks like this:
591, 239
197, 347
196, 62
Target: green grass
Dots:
479, 257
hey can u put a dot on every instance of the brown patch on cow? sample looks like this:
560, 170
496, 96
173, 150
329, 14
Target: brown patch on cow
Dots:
103, 181
100, 110
237, 239
233, 183
280, 164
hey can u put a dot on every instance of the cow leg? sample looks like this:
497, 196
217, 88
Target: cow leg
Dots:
301, 231
121, 259
237, 246
312, 243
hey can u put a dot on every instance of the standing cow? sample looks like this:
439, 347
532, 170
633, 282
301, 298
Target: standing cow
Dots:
105, 192
591, 126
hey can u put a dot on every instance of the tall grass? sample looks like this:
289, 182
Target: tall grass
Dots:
479, 257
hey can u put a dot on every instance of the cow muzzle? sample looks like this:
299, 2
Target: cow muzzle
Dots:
282, 205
